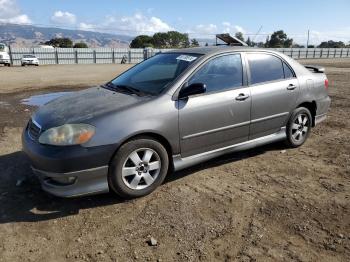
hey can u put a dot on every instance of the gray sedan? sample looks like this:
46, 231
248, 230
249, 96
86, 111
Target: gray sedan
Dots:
170, 112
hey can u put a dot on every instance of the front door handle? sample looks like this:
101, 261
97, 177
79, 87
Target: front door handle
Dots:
291, 87
242, 97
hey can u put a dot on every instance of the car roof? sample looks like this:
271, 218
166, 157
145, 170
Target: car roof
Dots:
210, 50
216, 50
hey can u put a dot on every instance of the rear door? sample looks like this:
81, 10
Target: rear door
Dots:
274, 90
221, 116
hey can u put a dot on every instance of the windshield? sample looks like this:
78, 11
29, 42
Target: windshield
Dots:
28, 56
155, 74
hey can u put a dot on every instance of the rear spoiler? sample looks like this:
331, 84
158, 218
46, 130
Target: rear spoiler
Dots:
315, 69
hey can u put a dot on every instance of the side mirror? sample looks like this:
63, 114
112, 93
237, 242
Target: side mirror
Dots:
193, 89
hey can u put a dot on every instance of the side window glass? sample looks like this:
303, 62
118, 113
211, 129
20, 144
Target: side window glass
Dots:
287, 71
221, 73
264, 68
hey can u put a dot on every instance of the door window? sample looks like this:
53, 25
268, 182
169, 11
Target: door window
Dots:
288, 73
264, 68
221, 73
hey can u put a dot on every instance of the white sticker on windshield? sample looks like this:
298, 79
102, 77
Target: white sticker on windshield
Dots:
187, 58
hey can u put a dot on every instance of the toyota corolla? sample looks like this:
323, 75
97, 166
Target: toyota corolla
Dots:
170, 112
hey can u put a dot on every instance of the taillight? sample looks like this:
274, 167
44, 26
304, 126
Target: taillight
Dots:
326, 83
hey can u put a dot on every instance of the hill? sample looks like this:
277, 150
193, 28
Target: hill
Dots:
28, 36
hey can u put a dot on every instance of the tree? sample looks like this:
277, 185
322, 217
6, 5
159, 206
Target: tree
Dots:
280, 39
288, 42
249, 42
260, 44
239, 35
267, 42
187, 41
80, 45
178, 40
194, 43
160, 40
298, 46
332, 44
171, 39
60, 42
142, 41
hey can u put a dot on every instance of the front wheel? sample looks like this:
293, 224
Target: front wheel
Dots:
299, 127
138, 168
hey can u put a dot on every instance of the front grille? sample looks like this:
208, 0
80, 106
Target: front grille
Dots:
34, 129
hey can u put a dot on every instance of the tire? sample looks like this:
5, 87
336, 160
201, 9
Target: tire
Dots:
132, 176
298, 127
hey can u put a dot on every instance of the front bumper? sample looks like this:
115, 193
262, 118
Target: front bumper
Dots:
69, 171
73, 184
4, 61
30, 63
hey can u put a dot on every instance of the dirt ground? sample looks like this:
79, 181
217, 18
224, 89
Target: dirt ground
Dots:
266, 204
57, 76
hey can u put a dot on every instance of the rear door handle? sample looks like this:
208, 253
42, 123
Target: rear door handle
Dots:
291, 87
242, 97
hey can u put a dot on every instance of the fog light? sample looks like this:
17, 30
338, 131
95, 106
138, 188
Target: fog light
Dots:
64, 180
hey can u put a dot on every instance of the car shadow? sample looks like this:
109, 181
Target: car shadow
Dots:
224, 159
22, 200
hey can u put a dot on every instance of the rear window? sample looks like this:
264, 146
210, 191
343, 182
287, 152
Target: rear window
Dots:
265, 68
28, 56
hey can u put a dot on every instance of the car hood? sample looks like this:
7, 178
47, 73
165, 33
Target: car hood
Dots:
84, 106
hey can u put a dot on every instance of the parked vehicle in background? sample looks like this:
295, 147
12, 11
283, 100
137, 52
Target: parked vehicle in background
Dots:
46, 46
29, 60
4, 55
172, 111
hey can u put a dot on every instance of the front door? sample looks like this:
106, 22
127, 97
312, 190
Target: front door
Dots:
221, 116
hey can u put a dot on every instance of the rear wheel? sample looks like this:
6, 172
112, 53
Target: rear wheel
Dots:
138, 168
299, 127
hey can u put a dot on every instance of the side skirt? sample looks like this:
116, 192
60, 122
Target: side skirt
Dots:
181, 163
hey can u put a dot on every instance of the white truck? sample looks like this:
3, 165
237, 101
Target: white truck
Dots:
4, 55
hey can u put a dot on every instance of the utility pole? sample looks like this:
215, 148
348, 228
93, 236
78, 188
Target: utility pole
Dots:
257, 33
308, 38
10, 53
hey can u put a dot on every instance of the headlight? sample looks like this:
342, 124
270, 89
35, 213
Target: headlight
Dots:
67, 135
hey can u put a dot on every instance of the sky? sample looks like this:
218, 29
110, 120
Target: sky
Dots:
201, 19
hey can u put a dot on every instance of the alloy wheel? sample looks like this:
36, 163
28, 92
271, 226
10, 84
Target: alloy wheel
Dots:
300, 127
141, 168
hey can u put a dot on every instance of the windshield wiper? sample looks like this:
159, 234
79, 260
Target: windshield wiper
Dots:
109, 85
126, 88
130, 89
